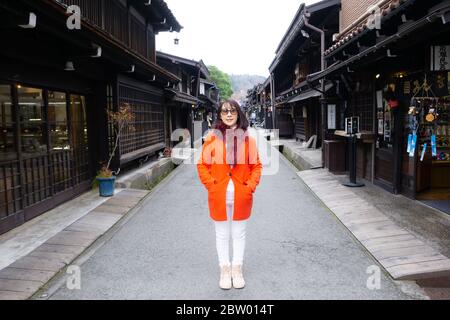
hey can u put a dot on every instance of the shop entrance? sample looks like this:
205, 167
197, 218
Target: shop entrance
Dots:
44, 156
433, 156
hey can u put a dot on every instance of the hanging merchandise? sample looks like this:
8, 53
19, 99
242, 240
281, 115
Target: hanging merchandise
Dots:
412, 150
391, 97
413, 109
433, 145
424, 148
432, 112
408, 149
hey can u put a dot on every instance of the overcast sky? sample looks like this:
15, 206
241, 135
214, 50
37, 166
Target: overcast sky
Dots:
237, 36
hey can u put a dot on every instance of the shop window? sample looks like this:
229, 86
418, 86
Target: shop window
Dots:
7, 146
78, 121
32, 121
57, 121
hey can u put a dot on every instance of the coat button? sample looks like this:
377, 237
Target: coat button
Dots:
229, 174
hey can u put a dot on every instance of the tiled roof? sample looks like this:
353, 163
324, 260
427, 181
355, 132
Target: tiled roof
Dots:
386, 11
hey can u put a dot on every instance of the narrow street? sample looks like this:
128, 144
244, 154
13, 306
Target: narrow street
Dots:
296, 249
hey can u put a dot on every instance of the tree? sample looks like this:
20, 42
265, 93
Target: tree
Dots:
222, 80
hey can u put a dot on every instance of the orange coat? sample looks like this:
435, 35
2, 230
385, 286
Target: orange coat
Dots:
215, 174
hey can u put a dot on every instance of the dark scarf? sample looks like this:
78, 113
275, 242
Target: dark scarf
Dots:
231, 153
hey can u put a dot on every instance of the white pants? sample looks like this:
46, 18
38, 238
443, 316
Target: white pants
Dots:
234, 228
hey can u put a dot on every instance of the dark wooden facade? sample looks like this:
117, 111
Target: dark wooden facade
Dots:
193, 100
55, 87
299, 54
374, 66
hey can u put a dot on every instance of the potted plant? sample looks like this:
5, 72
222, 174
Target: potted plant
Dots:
106, 177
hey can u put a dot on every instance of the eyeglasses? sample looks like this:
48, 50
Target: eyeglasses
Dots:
233, 111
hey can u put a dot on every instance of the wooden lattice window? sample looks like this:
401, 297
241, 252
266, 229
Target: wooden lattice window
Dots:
148, 125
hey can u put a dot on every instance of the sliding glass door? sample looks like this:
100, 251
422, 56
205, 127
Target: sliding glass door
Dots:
43, 150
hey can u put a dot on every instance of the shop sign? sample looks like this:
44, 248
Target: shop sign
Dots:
440, 58
331, 116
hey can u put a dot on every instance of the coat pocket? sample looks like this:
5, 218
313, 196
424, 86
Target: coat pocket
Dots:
244, 189
216, 186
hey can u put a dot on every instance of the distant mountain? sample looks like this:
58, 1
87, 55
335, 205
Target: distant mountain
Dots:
241, 83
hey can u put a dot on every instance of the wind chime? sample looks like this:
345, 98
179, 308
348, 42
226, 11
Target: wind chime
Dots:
423, 106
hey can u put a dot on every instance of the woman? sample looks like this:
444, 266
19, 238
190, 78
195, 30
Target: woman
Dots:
230, 169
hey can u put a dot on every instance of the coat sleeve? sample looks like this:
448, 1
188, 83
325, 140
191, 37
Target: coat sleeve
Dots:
204, 163
254, 164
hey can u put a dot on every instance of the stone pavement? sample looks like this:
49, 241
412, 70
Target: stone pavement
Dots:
31, 270
296, 249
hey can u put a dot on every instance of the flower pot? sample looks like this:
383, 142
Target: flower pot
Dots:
106, 186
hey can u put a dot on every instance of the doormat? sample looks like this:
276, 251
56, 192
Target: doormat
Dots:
442, 205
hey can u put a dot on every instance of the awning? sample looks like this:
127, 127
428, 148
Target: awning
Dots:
178, 96
311, 93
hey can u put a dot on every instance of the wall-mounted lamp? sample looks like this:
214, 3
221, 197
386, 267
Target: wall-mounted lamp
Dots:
97, 50
390, 55
176, 41
446, 17
31, 22
69, 66
131, 70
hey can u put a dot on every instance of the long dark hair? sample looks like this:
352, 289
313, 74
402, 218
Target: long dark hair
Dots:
242, 122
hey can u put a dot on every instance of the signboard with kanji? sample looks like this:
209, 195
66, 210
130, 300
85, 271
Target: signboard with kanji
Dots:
440, 58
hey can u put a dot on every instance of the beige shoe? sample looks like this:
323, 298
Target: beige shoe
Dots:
237, 277
225, 277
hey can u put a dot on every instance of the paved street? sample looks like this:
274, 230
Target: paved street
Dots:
296, 249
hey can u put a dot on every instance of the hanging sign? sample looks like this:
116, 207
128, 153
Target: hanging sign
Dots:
381, 127
440, 58
433, 145
331, 116
424, 148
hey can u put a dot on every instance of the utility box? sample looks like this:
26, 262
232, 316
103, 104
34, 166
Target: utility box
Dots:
334, 153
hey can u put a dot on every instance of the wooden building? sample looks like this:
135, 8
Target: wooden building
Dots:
56, 83
298, 110
392, 68
265, 99
254, 105
194, 99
